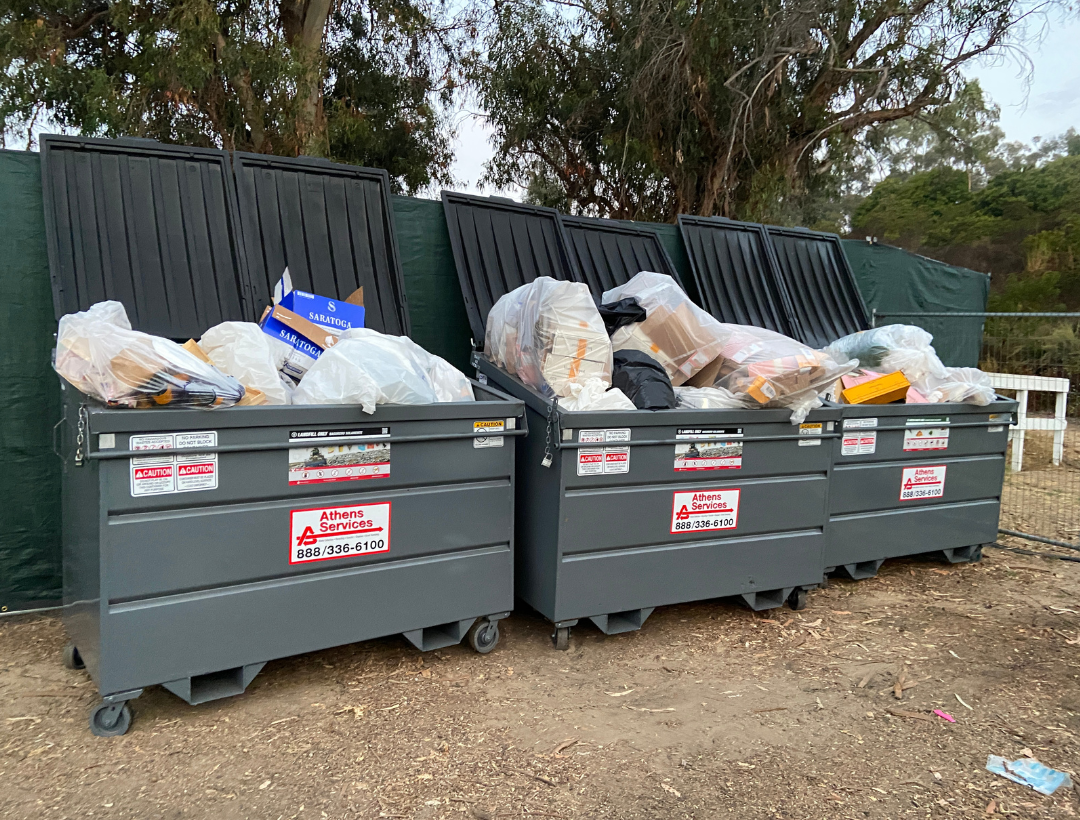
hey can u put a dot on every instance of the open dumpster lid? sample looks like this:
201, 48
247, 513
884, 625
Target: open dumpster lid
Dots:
610, 252
820, 283
500, 245
146, 224
735, 273
331, 225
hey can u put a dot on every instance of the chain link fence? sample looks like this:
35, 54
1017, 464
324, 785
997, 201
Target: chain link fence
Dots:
1041, 497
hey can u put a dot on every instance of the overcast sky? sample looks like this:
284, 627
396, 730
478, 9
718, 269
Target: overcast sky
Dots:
1044, 105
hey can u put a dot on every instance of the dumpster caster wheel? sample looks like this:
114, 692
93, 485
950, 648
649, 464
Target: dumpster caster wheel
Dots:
483, 635
797, 599
72, 658
561, 638
976, 555
110, 719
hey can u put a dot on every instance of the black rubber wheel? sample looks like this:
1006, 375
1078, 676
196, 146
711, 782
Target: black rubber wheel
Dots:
976, 555
72, 658
483, 635
797, 599
110, 719
561, 638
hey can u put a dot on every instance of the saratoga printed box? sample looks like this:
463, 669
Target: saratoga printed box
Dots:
327, 312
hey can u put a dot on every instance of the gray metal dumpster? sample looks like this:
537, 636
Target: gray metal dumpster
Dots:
198, 545
907, 479
910, 479
621, 512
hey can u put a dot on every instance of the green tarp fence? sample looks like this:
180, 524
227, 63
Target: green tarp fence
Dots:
29, 395
894, 282
30, 566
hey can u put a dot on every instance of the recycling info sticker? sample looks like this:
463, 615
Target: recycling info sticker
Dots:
705, 510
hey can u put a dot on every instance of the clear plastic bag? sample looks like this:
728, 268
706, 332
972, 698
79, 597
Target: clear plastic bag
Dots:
890, 348
776, 371
369, 368
967, 385
100, 355
254, 358
702, 398
550, 335
677, 333
594, 394
909, 349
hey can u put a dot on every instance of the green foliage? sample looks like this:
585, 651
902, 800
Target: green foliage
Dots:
1023, 226
732, 107
356, 80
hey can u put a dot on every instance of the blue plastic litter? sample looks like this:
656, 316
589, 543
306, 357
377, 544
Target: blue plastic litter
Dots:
1028, 772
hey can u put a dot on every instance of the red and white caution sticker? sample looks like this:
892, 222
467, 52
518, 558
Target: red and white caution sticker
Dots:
922, 482
704, 510
339, 532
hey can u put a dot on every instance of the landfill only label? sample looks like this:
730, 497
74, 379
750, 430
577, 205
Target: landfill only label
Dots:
170, 466
858, 444
709, 455
858, 424
325, 533
705, 510
922, 482
488, 427
926, 438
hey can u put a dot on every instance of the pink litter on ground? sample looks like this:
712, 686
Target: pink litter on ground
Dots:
945, 716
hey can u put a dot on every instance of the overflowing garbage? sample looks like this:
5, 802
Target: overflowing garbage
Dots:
648, 346
286, 358
98, 353
899, 363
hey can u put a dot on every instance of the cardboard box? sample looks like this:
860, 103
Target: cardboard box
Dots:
307, 339
329, 313
674, 338
882, 390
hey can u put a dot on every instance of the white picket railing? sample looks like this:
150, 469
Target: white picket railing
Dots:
1028, 384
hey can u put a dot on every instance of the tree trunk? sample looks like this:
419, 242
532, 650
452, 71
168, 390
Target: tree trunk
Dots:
304, 23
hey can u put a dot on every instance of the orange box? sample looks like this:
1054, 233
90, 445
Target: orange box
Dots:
882, 390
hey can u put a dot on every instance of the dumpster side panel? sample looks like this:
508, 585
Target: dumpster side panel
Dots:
180, 636
895, 533
538, 518
605, 582
869, 487
959, 449
82, 525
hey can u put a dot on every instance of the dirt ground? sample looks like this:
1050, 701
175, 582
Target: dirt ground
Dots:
709, 711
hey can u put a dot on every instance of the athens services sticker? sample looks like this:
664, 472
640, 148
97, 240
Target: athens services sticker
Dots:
922, 482
705, 510
339, 532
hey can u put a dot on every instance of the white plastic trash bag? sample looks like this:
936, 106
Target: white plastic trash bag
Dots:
968, 385
550, 335
98, 353
711, 398
369, 368
595, 395
682, 337
889, 349
254, 358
